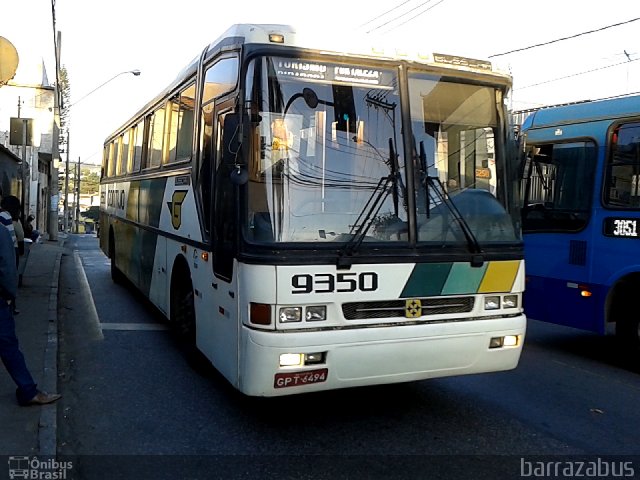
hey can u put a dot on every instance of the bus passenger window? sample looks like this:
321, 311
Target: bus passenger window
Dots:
559, 187
171, 129
156, 131
138, 136
185, 123
124, 151
105, 161
622, 187
111, 165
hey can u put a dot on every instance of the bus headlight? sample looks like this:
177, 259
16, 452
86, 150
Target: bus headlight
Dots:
510, 301
491, 303
290, 314
315, 313
291, 359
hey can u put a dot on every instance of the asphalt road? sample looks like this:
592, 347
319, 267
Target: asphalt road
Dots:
135, 407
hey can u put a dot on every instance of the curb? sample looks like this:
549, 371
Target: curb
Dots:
47, 427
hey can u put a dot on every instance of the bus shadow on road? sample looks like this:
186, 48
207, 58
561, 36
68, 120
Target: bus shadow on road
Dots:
605, 349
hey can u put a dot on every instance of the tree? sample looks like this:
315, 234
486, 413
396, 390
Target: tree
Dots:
89, 182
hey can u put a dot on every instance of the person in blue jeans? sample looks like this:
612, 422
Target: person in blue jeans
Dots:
27, 392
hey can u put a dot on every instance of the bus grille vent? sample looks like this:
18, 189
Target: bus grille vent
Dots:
396, 308
577, 252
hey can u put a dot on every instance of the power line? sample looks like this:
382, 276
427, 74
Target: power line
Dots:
385, 13
399, 16
626, 62
564, 38
414, 17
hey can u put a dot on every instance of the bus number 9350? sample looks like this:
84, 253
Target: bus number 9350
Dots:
329, 283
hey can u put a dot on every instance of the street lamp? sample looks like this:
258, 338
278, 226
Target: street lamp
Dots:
135, 72
65, 223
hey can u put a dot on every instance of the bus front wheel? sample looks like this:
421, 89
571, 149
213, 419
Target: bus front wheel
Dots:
628, 333
622, 311
182, 309
183, 319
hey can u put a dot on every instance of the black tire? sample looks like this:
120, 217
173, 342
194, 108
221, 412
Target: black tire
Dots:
183, 313
627, 322
183, 321
116, 274
628, 334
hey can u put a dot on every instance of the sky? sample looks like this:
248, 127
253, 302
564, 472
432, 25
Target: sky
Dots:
101, 40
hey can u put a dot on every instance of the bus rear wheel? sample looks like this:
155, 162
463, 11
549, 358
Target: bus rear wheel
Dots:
116, 274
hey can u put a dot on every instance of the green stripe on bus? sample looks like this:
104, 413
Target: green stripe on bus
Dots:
464, 279
151, 195
427, 279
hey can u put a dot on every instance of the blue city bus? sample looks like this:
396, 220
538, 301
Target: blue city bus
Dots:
581, 215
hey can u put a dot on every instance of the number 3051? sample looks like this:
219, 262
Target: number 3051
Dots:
329, 283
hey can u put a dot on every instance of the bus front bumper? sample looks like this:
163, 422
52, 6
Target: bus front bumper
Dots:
376, 355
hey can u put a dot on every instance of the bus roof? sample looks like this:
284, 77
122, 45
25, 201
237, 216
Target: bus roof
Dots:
290, 36
605, 109
360, 45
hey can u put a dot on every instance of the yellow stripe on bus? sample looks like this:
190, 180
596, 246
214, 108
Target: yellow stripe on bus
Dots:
499, 276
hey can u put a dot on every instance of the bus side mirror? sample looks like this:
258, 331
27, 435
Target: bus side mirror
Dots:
231, 144
239, 175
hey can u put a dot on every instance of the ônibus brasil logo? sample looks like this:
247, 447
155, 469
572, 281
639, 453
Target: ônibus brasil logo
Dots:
33, 468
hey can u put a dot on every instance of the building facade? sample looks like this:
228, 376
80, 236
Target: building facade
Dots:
30, 100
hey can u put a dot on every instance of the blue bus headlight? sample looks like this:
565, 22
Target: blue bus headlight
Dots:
290, 314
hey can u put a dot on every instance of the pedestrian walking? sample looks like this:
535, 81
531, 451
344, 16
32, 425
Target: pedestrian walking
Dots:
27, 392
9, 214
7, 221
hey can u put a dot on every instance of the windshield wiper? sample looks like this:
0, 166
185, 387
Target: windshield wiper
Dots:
474, 247
363, 222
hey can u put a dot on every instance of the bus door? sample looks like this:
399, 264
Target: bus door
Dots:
224, 325
558, 189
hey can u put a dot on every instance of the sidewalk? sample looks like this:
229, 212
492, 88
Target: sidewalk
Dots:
32, 430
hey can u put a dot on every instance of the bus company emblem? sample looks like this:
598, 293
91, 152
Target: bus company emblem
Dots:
175, 207
412, 308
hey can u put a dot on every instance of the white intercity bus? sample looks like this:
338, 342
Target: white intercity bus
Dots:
315, 219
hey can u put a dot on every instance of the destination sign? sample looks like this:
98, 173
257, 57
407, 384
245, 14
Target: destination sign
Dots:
332, 73
621, 227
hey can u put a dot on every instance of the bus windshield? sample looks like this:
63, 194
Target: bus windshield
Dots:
456, 128
327, 162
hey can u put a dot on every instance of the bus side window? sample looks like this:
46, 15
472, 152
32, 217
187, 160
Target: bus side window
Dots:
206, 159
181, 125
622, 187
111, 162
156, 134
105, 162
220, 77
225, 200
138, 139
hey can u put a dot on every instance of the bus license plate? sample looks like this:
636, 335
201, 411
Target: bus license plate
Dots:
297, 379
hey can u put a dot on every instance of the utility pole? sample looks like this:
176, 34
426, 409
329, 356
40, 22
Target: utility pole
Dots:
76, 199
24, 173
66, 189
